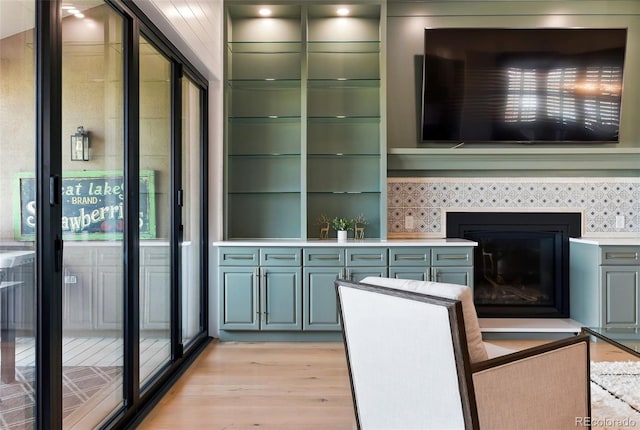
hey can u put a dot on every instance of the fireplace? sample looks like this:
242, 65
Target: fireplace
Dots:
521, 263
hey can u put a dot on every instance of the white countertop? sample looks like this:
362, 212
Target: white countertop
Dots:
350, 242
16, 258
608, 241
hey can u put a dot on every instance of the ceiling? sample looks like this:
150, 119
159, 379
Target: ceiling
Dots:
196, 25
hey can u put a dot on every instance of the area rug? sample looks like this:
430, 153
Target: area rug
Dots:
79, 384
615, 395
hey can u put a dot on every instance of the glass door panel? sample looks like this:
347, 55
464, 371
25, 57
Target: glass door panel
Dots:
190, 248
17, 220
155, 194
93, 197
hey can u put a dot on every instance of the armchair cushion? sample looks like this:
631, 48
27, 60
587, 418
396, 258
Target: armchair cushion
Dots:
477, 351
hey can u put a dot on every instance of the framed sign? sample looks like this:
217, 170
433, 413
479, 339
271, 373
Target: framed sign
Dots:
92, 205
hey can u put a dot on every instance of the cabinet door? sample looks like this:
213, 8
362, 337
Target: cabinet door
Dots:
357, 274
453, 275
281, 298
620, 295
320, 307
416, 273
155, 298
155, 285
239, 298
23, 295
79, 288
77, 299
109, 298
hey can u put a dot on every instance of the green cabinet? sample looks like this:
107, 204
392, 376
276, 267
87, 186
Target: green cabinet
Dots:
605, 285
410, 263
291, 291
620, 295
322, 267
452, 265
304, 128
260, 297
620, 277
239, 303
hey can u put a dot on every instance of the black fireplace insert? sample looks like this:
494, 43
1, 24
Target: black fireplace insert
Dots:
521, 263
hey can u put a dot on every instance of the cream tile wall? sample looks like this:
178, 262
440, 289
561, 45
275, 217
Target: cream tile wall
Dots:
417, 207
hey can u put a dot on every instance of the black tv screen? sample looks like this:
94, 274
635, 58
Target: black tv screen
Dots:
540, 85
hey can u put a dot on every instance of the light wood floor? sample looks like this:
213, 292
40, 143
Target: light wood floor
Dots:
301, 386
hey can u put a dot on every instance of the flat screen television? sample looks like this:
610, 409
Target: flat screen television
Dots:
542, 85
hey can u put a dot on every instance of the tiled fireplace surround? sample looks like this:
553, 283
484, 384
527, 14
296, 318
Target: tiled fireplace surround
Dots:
417, 207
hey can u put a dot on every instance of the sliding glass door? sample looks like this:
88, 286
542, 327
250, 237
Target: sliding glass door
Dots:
102, 177
192, 185
155, 194
18, 221
93, 212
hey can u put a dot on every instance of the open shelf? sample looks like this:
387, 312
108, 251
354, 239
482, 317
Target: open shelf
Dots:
303, 107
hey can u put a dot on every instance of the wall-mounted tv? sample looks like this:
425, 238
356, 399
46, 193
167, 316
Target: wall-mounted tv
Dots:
542, 85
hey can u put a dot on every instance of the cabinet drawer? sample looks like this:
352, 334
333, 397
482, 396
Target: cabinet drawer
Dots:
449, 256
324, 257
280, 257
79, 256
366, 256
110, 256
155, 256
239, 256
620, 255
409, 256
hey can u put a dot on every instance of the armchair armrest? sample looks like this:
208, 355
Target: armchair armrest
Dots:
542, 387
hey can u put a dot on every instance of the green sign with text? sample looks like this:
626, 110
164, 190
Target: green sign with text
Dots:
92, 205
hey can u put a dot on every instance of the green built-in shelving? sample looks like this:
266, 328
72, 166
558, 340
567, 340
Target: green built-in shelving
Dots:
304, 104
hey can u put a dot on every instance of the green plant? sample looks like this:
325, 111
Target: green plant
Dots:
338, 223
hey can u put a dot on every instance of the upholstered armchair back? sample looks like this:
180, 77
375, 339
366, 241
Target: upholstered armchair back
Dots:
407, 358
411, 364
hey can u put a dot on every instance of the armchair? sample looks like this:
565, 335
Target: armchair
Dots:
417, 361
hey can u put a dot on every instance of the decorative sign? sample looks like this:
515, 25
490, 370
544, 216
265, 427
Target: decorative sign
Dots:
92, 205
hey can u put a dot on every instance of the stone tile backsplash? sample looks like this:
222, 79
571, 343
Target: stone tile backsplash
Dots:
417, 206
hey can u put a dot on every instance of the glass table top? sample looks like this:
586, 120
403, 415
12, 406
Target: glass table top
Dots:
628, 338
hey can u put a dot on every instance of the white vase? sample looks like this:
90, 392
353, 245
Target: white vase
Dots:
342, 235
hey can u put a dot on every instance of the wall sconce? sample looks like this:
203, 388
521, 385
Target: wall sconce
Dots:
80, 145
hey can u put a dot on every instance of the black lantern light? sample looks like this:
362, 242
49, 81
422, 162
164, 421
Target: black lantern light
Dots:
80, 145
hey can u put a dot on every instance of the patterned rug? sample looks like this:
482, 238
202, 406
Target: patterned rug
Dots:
80, 383
615, 394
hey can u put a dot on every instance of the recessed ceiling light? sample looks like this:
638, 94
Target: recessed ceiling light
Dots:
264, 12
67, 7
343, 11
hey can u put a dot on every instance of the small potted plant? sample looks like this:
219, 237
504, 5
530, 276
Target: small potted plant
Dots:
341, 226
